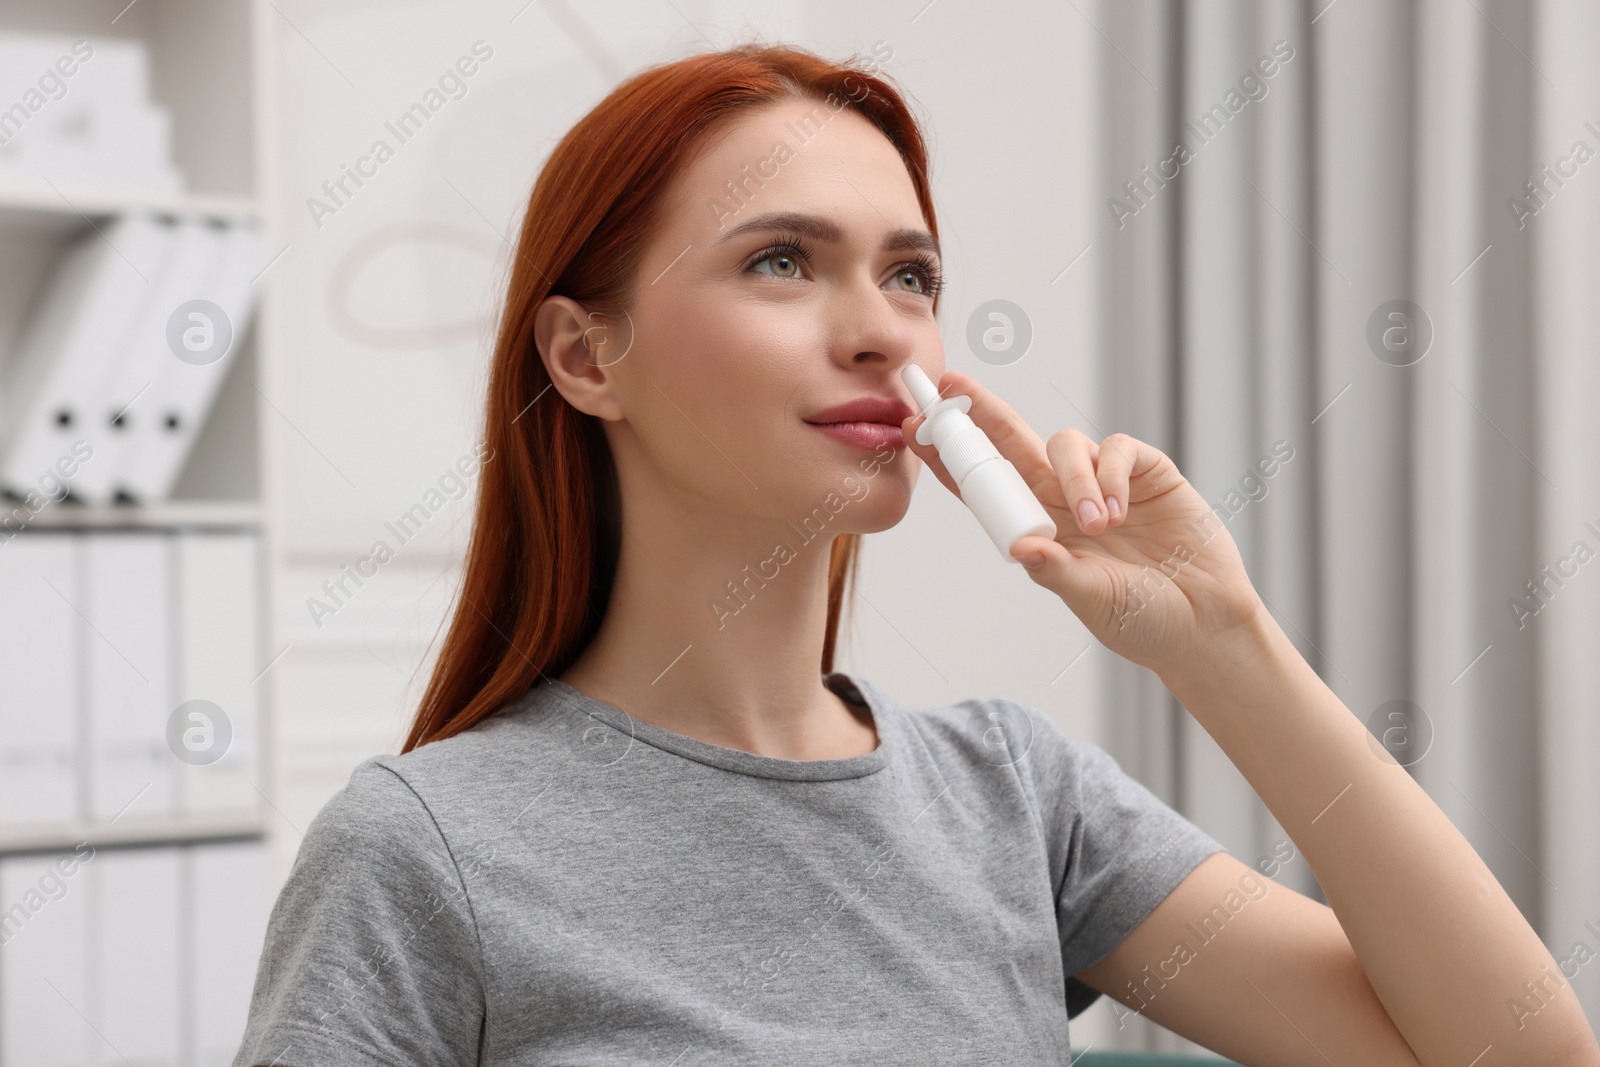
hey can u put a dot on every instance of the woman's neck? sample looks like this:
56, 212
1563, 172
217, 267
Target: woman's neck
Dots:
723, 649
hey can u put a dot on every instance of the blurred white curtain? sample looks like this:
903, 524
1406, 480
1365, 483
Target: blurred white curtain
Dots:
1437, 468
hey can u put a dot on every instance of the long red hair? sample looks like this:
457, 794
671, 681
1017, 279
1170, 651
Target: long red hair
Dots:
544, 543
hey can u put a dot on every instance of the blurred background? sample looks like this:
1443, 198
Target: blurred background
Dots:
1336, 258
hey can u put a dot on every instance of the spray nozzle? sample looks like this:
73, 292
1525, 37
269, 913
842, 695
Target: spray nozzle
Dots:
988, 484
926, 395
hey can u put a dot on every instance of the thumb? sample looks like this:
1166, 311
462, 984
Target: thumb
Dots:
1072, 579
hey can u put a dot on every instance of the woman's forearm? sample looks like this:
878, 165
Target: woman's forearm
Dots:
1444, 947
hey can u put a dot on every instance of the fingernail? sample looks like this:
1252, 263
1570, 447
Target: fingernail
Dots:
1088, 511
1113, 508
1033, 561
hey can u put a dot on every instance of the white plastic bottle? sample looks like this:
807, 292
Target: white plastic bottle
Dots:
990, 486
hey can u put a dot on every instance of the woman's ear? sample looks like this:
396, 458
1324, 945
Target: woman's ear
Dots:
579, 348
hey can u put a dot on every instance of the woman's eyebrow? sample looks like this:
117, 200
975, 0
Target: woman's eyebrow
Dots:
902, 240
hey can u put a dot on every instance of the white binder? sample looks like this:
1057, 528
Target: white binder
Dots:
88, 308
44, 961
183, 395
228, 929
122, 405
127, 602
40, 678
137, 946
218, 660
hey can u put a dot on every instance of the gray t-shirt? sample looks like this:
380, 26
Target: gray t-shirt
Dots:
565, 884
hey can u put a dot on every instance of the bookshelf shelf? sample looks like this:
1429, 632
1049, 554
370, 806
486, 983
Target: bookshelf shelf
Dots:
44, 209
201, 514
165, 831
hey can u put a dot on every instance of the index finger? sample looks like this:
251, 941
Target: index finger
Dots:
1013, 438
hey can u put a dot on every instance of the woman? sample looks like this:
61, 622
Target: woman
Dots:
634, 822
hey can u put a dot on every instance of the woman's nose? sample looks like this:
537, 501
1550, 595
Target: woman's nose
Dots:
870, 330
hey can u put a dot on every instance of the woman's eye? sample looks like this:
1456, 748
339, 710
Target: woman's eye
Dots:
784, 265
912, 278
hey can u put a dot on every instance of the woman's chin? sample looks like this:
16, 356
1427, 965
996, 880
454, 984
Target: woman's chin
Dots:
855, 502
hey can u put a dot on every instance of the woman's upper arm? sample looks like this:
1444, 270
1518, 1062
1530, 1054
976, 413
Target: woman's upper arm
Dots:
371, 949
1252, 970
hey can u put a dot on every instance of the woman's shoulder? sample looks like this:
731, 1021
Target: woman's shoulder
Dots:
405, 796
511, 742
991, 730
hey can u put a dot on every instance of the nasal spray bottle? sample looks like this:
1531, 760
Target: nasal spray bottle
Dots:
990, 486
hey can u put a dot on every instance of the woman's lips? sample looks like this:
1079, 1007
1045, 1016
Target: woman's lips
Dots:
869, 435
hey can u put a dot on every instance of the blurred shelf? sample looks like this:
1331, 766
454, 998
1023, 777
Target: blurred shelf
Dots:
175, 829
223, 514
43, 209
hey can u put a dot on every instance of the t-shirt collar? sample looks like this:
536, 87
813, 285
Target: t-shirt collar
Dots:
846, 686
